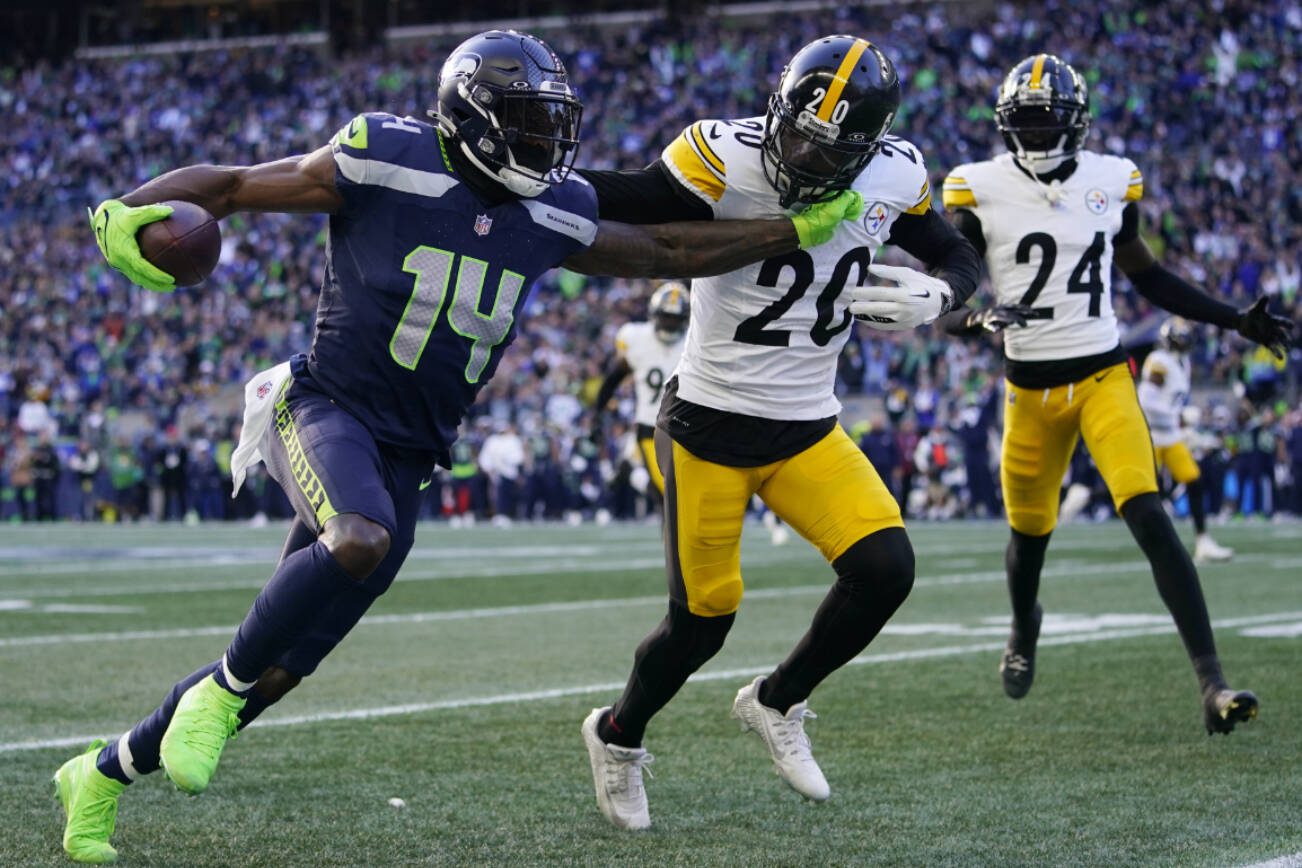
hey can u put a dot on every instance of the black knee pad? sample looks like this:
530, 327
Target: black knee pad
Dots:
695, 637
881, 563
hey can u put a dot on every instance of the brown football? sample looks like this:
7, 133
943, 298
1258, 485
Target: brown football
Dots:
186, 245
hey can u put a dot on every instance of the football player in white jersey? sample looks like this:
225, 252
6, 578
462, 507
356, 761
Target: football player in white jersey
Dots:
1050, 219
1163, 393
649, 351
752, 409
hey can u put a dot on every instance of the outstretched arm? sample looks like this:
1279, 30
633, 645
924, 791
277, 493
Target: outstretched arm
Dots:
301, 184
296, 184
704, 248
1171, 292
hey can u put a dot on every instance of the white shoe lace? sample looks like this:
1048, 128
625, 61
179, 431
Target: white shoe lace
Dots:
1017, 663
789, 734
624, 776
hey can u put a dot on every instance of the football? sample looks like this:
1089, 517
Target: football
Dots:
186, 245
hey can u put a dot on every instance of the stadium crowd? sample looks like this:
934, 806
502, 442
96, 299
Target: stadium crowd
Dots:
118, 403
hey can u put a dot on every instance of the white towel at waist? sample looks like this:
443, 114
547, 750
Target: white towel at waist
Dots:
260, 396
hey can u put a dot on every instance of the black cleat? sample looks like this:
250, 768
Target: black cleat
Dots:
1017, 666
1224, 707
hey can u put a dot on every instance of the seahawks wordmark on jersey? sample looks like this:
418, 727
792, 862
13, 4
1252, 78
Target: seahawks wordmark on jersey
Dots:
424, 282
652, 362
1162, 404
764, 339
1049, 246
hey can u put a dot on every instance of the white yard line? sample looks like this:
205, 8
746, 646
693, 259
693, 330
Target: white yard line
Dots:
1293, 860
211, 559
769, 556
700, 677
1063, 570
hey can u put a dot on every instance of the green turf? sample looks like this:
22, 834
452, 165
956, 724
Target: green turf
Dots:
1105, 763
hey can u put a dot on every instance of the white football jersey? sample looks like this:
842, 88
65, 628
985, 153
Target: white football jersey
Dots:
652, 362
764, 339
1162, 404
1049, 246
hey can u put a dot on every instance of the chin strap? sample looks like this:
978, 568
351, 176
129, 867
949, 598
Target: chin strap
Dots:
1038, 167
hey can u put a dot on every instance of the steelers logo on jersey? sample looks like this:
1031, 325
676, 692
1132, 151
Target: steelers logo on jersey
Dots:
874, 217
1096, 200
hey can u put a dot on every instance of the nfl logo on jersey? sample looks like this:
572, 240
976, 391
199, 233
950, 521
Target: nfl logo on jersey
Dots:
482, 224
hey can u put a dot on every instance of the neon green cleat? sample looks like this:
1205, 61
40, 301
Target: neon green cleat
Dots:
205, 717
90, 802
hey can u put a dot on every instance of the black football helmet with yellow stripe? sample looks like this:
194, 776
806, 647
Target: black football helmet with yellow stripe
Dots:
1043, 112
671, 309
835, 101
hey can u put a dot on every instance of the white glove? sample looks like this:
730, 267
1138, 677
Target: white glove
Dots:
918, 299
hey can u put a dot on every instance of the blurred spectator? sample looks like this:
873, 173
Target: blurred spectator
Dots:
1202, 97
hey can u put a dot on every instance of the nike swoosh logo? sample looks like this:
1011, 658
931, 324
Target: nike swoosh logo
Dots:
926, 294
714, 132
1100, 377
427, 483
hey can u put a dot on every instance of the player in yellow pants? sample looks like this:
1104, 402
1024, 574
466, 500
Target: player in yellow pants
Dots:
1163, 392
1051, 219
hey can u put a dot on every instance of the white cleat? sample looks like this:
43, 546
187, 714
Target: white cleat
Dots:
1207, 551
786, 740
617, 775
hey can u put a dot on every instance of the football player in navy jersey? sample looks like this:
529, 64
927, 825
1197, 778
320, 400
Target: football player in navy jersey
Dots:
436, 232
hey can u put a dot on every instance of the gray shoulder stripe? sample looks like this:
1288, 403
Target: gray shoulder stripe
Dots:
568, 223
393, 176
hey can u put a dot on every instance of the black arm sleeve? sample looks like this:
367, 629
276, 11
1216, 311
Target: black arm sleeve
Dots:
947, 254
1129, 230
970, 225
956, 323
1171, 292
610, 385
649, 195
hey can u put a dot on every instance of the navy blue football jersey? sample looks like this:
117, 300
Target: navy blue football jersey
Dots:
424, 282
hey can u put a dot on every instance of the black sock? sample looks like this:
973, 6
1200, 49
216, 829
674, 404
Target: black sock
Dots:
1024, 560
676, 648
874, 576
1197, 509
1177, 581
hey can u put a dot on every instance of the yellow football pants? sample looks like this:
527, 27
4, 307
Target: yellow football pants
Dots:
829, 493
1041, 427
648, 447
1179, 461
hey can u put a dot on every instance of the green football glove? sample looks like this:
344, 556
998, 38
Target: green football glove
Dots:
816, 223
115, 225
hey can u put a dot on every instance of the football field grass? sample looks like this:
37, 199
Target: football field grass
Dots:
463, 690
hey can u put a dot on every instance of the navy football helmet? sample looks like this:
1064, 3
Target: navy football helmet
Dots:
835, 101
505, 100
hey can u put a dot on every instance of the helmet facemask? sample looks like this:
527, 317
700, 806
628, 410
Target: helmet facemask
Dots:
525, 139
505, 100
804, 158
1044, 124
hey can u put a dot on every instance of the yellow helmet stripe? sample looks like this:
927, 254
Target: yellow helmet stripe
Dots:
1037, 71
833, 95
